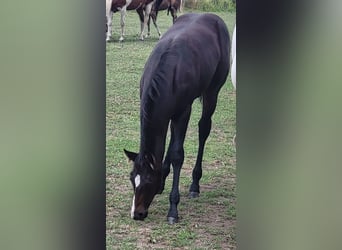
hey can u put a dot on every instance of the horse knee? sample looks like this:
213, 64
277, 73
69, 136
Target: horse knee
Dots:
177, 157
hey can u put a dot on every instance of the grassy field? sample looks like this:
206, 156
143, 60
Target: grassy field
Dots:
208, 222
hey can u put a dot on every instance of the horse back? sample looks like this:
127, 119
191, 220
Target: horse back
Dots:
189, 57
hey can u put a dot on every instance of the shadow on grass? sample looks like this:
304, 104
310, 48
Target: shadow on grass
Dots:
133, 39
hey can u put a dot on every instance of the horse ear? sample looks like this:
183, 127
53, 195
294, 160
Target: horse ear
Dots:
130, 155
151, 160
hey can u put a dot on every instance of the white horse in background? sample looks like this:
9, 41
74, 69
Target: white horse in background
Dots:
143, 8
233, 68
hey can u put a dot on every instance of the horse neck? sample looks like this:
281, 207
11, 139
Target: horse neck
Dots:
152, 139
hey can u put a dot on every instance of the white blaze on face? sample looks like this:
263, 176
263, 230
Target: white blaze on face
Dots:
133, 207
137, 183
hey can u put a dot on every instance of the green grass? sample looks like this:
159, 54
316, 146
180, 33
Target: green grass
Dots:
207, 222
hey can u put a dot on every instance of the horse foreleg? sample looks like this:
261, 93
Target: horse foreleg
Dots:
176, 157
148, 9
109, 17
154, 19
122, 22
166, 164
148, 26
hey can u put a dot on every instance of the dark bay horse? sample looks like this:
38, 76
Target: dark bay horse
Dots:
191, 60
172, 6
143, 8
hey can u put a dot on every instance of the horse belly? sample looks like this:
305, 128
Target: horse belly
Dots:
136, 4
118, 4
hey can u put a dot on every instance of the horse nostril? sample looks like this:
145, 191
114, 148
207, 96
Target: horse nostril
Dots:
140, 215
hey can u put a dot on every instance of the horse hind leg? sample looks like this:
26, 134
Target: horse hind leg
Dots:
144, 23
140, 12
176, 157
148, 26
209, 102
154, 19
173, 14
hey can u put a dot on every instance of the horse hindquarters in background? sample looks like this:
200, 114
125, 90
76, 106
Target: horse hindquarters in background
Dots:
114, 6
170, 5
174, 6
143, 8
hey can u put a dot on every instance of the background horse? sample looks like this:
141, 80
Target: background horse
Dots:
170, 5
192, 59
143, 7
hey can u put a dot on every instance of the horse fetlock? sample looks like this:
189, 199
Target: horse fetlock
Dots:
172, 220
193, 194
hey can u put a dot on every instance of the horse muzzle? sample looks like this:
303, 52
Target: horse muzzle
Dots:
140, 215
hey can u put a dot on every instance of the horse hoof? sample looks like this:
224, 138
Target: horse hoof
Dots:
121, 39
193, 194
172, 220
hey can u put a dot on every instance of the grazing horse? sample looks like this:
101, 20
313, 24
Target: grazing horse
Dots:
191, 60
143, 7
170, 5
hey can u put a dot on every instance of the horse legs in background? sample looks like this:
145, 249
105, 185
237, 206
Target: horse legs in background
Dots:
123, 19
140, 12
109, 17
173, 13
154, 19
204, 126
147, 12
175, 156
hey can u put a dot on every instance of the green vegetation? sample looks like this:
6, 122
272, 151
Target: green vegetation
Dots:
211, 5
208, 222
